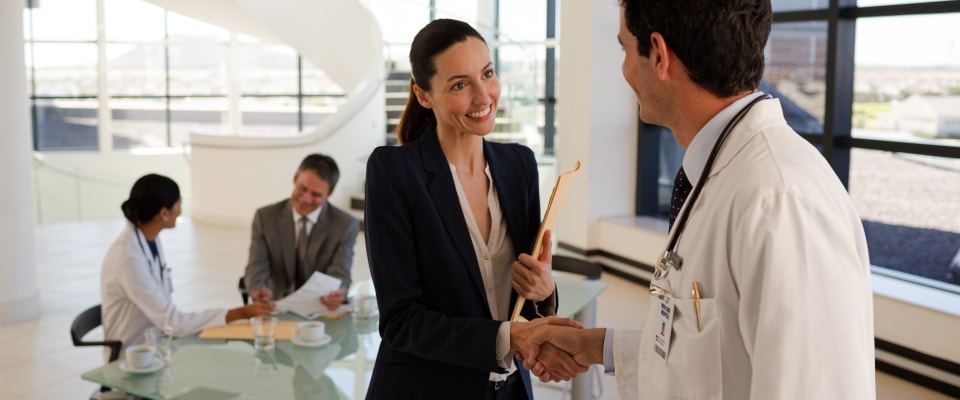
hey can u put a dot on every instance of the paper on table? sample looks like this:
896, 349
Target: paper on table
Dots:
305, 302
557, 199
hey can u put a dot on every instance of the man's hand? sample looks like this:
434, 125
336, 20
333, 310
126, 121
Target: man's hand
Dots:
250, 311
334, 299
264, 295
533, 278
558, 363
585, 347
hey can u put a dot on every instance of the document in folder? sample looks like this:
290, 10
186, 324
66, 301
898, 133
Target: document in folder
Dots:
557, 199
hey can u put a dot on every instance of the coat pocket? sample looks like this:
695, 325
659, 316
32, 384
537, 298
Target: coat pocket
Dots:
692, 370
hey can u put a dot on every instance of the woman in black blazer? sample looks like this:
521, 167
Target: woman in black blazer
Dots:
447, 215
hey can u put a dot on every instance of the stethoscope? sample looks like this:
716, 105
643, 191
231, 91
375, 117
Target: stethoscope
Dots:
670, 259
150, 260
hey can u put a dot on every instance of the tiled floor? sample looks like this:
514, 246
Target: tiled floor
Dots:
38, 361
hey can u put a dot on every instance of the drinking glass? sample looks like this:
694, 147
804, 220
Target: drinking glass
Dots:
264, 331
265, 363
162, 340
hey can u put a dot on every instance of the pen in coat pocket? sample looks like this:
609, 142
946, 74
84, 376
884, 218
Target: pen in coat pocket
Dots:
696, 302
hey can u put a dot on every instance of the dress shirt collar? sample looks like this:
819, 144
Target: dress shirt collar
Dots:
695, 159
312, 217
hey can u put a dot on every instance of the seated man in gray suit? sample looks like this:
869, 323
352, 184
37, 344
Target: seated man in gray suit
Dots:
302, 234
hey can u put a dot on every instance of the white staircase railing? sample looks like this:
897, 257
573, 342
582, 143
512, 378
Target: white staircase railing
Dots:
232, 175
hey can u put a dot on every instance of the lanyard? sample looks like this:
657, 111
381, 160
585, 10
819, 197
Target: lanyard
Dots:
670, 259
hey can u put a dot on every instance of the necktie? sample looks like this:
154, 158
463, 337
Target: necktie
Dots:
301, 252
681, 188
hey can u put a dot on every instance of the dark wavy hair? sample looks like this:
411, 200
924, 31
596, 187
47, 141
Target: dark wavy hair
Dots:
720, 42
436, 37
150, 194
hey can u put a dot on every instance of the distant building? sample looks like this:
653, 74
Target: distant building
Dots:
934, 116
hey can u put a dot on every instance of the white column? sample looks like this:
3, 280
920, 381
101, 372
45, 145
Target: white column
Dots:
487, 20
19, 295
597, 120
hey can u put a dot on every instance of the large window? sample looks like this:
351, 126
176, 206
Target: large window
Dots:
144, 77
907, 111
520, 37
151, 75
880, 98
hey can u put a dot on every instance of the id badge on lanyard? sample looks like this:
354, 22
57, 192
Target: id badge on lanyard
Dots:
664, 327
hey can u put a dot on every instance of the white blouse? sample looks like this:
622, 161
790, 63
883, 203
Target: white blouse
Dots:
495, 258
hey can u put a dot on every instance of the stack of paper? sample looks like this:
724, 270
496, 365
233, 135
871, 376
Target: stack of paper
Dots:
305, 302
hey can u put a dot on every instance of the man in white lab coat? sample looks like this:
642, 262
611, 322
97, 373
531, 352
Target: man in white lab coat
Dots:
764, 291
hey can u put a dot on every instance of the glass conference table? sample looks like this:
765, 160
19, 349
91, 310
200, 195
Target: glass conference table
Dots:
211, 369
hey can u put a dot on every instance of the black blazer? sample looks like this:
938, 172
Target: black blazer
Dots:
439, 338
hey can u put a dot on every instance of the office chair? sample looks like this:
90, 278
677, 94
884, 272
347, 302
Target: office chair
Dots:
85, 322
591, 272
242, 287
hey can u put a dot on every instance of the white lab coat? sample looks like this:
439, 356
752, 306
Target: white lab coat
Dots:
781, 258
134, 298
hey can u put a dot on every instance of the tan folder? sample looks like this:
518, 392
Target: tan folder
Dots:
243, 331
557, 199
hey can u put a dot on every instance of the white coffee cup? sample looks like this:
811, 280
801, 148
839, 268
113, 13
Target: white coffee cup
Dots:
141, 356
366, 306
311, 331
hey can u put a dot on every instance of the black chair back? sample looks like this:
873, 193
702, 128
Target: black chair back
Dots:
591, 271
88, 321
242, 287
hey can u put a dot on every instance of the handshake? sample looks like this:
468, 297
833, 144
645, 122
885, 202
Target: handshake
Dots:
556, 349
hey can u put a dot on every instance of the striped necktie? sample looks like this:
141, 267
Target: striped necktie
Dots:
302, 239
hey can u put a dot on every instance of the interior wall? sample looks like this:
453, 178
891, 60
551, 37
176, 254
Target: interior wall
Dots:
74, 186
597, 120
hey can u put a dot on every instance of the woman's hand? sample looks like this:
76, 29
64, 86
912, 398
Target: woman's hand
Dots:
533, 278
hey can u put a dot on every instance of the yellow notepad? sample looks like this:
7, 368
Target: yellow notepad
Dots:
243, 331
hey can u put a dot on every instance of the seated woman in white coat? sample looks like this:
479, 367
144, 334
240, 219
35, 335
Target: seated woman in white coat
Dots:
135, 284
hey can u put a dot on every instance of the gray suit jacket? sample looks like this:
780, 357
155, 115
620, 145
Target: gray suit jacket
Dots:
272, 261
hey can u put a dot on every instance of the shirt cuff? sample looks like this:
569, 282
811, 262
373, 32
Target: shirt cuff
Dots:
503, 344
608, 352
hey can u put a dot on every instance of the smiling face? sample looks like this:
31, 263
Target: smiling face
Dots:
309, 192
464, 91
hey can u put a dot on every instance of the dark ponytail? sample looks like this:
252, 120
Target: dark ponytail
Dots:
438, 36
150, 194
414, 120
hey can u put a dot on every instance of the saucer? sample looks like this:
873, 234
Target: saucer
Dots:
297, 340
157, 364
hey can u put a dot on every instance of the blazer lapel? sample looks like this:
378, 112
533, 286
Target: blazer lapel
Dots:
285, 231
318, 236
444, 194
509, 190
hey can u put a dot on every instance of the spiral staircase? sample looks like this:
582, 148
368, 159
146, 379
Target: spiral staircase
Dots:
233, 175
